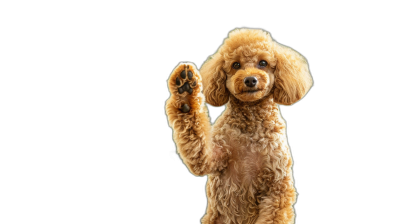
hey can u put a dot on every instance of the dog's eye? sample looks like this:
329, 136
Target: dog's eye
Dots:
263, 63
236, 65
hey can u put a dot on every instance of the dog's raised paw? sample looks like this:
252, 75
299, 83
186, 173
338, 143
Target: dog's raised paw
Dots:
186, 80
184, 83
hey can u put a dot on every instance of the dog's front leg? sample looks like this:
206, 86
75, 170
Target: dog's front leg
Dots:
277, 207
187, 115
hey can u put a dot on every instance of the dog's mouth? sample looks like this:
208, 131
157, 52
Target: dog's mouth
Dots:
250, 91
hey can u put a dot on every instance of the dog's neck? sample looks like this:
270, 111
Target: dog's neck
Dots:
249, 115
250, 109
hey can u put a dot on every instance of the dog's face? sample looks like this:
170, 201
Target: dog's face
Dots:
250, 77
250, 65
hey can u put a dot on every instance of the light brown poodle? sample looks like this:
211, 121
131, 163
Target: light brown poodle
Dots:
245, 153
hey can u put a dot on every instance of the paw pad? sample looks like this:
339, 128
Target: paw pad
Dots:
183, 74
185, 77
185, 108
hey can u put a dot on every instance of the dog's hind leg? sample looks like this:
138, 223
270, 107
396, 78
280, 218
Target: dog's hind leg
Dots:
187, 115
277, 207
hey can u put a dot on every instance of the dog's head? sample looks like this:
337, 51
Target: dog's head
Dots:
250, 65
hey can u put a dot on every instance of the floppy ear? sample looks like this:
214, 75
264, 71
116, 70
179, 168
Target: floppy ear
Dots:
214, 81
292, 77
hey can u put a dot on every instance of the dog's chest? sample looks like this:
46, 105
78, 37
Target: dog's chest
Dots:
254, 160
244, 166
239, 192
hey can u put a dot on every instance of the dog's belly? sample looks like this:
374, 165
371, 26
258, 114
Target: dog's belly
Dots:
237, 194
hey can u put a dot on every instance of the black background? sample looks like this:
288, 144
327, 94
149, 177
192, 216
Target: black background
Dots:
130, 169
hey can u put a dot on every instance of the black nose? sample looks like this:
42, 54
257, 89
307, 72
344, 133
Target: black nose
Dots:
250, 81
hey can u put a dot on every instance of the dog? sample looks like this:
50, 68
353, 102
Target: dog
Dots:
245, 153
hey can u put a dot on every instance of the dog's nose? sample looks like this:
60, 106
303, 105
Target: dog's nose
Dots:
250, 81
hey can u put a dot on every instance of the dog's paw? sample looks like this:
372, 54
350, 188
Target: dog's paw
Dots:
184, 83
185, 80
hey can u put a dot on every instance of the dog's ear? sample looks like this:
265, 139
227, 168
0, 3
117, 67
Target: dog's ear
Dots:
292, 76
214, 81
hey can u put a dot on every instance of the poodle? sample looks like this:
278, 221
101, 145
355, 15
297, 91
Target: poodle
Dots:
245, 153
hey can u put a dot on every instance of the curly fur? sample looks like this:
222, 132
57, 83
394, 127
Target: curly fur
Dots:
245, 153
